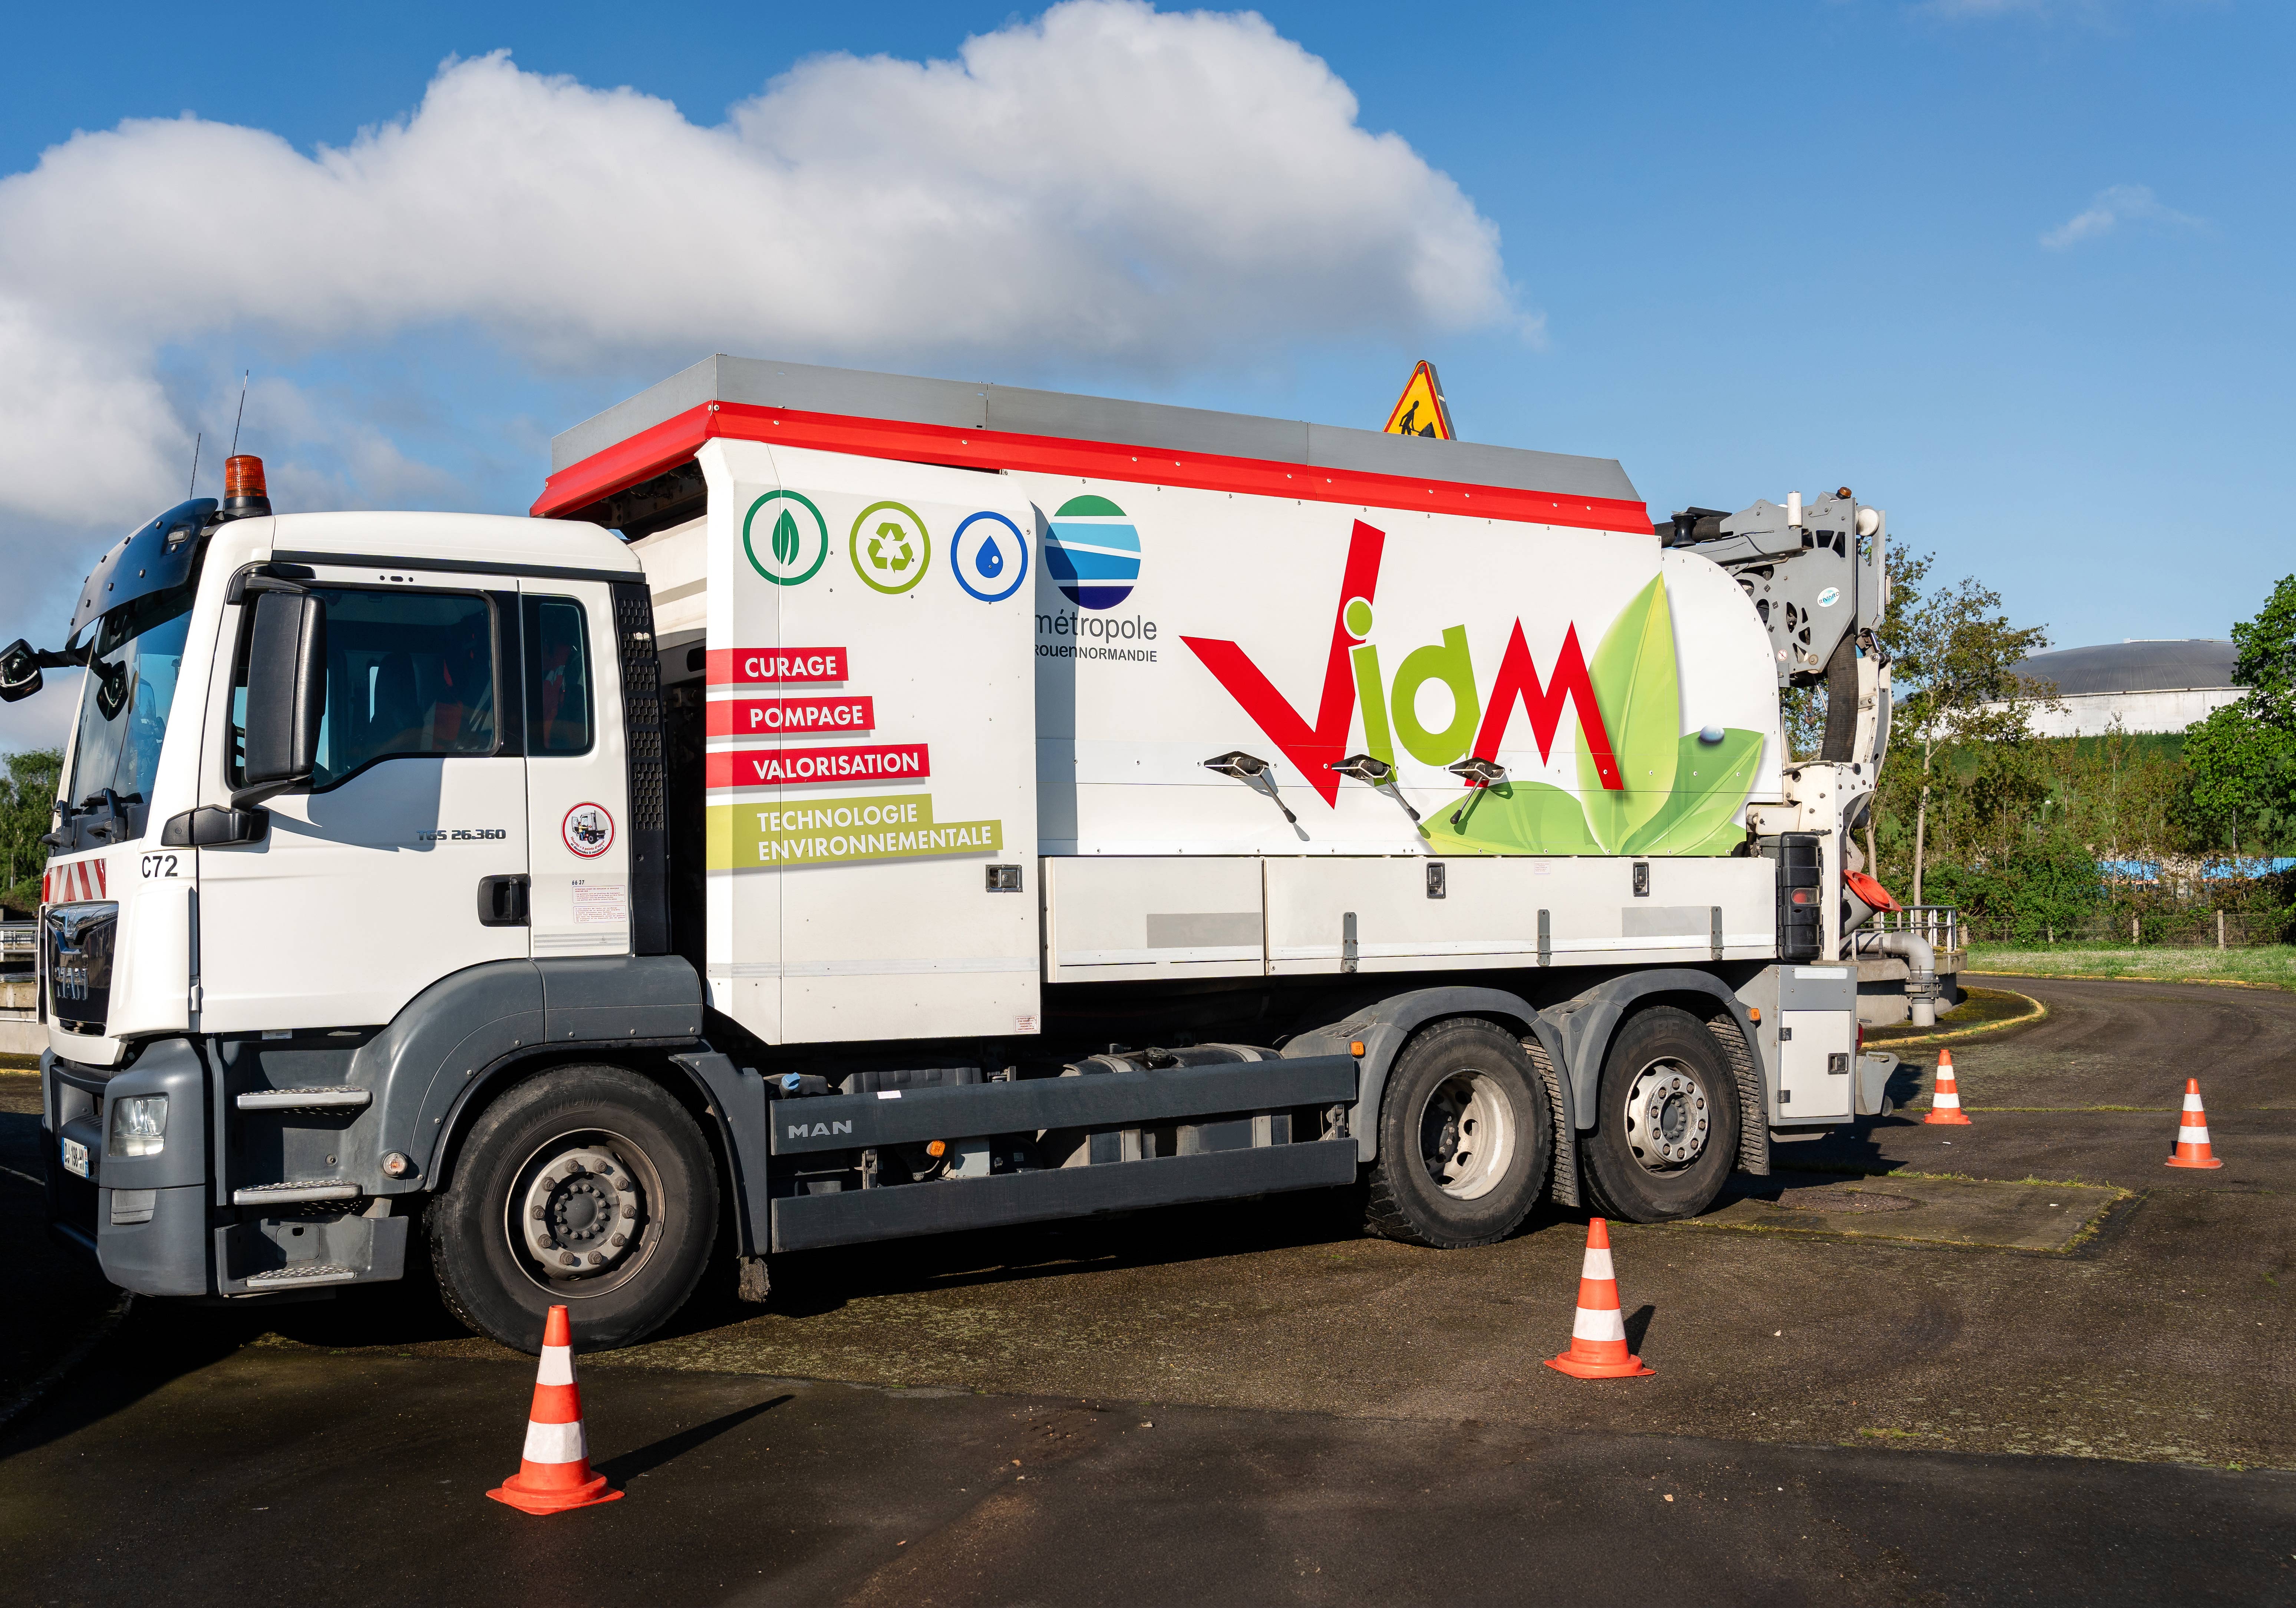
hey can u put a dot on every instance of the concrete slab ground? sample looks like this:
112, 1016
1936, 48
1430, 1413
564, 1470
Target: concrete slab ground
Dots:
1915, 1208
1336, 1417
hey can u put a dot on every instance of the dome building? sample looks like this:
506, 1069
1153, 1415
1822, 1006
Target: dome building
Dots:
2146, 687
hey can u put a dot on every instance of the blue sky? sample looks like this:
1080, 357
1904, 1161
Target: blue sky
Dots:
2014, 271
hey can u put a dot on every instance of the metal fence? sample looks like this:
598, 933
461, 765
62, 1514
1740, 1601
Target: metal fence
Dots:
19, 943
1938, 923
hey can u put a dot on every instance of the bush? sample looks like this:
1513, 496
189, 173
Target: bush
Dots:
2020, 897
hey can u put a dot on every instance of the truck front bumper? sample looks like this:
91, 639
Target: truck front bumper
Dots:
141, 1218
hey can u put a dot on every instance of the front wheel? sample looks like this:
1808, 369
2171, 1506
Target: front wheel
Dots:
585, 1186
1665, 1134
1465, 1139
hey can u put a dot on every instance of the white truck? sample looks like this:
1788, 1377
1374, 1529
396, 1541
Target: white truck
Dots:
856, 807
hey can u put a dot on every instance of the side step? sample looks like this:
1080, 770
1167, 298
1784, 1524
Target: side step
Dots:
289, 1195
806, 1222
340, 1097
298, 1275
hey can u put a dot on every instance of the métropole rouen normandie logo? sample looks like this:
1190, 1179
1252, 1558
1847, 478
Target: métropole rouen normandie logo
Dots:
1091, 552
796, 828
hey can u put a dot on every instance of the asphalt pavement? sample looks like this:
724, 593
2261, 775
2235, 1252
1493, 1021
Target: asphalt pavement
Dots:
1877, 1382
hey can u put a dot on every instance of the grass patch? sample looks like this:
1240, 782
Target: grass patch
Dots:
2264, 966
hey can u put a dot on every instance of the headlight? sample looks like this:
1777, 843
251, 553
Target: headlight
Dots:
139, 1126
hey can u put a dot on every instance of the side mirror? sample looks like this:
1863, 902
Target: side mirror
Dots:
286, 694
19, 671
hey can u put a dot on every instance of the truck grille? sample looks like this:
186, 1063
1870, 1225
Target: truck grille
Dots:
78, 939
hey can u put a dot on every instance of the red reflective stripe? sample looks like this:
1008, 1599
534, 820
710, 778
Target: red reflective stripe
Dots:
557, 1404
552, 1476
671, 442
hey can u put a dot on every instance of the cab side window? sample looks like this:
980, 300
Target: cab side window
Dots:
409, 673
558, 702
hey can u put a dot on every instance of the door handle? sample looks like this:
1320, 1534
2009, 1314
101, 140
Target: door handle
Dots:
503, 901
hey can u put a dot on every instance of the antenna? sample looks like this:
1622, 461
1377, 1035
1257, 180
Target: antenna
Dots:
193, 488
240, 414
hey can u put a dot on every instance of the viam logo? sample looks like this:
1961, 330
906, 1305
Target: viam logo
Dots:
1092, 550
1644, 786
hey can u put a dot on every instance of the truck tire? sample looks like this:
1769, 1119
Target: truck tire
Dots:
585, 1186
1665, 1132
1465, 1139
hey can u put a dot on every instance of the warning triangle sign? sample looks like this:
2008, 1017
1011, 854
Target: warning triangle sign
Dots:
1421, 410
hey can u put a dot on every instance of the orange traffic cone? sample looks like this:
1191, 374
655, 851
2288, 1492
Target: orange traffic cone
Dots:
1598, 1334
2192, 1133
1944, 1100
554, 1474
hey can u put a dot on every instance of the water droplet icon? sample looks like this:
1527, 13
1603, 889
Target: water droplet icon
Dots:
785, 539
991, 562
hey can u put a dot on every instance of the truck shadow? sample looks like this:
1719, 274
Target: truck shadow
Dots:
814, 1283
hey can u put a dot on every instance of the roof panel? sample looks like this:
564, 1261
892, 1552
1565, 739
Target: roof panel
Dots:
1016, 410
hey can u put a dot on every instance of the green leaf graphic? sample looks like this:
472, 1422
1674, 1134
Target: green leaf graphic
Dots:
1710, 780
785, 539
1634, 682
1514, 817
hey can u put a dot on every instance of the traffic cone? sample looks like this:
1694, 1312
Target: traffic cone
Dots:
1944, 1100
554, 1472
2192, 1133
1598, 1334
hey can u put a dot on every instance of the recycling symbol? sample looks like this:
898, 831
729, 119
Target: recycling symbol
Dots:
890, 546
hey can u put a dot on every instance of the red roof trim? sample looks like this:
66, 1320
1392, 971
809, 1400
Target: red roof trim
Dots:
671, 442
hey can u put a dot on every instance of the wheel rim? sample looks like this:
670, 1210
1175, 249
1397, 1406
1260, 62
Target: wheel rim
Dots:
582, 1216
1466, 1135
1668, 1116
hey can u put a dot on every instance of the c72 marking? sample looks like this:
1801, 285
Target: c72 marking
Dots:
160, 864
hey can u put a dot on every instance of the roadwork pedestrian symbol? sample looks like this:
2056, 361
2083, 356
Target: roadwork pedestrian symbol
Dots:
892, 550
1421, 410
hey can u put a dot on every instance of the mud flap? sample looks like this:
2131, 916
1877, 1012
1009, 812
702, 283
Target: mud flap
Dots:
1565, 1186
1753, 1108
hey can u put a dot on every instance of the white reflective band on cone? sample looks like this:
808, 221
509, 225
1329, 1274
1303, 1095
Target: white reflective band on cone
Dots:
555, 1443
2191, 1136
2193, 1103
1603, 1324
557, 1366
1598, 1266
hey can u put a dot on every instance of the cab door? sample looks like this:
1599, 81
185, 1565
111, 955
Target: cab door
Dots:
578, 769
386, 873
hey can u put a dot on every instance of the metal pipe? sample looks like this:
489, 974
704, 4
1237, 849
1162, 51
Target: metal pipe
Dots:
1920, 957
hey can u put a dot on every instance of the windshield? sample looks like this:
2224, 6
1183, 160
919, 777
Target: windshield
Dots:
123, 718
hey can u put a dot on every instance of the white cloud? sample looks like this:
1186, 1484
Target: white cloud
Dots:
1107, 187
2117, 205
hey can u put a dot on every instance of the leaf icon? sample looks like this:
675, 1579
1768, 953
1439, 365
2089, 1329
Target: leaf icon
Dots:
1514, 817
1710, 780
1635, 683
785, 539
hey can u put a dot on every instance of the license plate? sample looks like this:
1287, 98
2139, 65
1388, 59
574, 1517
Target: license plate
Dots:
76, 1157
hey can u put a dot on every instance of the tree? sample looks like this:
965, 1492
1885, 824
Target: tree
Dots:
2266, 661
2239, 772
2240, 763
1956, 650
27, 797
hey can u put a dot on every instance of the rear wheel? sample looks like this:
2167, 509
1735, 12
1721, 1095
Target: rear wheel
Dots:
1465, 1139
587, 1186
1666, 1135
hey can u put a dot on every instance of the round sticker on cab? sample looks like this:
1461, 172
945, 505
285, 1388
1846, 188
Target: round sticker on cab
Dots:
589, 830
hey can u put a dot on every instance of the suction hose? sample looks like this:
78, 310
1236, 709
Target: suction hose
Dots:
1921, 971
